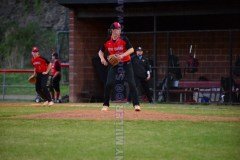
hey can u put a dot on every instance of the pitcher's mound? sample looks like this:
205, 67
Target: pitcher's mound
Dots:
95, 114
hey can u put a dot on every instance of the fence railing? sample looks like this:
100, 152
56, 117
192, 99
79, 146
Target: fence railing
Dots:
14, 84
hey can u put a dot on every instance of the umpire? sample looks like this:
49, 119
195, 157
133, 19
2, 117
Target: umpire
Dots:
142, 74
121, 47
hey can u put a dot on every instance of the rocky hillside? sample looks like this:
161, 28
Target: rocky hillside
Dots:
27, 23
48, 13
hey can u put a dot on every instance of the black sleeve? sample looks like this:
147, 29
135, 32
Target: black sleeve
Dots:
147, 67
102, 48
133, 56
45, 60
128, 44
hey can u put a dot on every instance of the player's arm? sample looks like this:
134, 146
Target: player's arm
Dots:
56, 74
128, 52
49, 66
34, 72
129, 47
101, 56
148, 70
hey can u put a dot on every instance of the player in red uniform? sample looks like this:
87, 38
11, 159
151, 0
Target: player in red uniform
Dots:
55, 78
122, 48
41, 70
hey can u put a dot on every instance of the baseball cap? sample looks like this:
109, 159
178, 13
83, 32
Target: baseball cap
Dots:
35, 49
115, 25
139, 49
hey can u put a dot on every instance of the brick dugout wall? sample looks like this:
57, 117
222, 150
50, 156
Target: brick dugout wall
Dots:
86, 36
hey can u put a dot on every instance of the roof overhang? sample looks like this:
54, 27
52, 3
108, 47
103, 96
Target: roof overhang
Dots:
132, 8
72, 2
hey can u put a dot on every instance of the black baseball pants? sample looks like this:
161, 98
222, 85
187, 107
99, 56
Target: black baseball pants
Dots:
128, 76
55, 83
140, 82
41, 87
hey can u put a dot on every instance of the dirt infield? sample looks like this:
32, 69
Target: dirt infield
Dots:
96, 114
91, 112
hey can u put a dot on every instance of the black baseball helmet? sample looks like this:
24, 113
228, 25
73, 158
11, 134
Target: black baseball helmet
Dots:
55, 54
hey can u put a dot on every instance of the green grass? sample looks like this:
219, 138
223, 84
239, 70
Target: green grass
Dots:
183, 140
56, 139
23, 139
25, 110
197, 109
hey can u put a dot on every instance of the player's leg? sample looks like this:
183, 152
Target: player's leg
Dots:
56, 86
137, 85
39, 88
132, 85
45, 90
51, 88
147, 91
108, 86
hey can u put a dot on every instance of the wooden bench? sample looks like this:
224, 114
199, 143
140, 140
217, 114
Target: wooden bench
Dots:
188, 89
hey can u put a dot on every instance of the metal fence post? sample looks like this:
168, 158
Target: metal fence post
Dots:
154, 57
3, 85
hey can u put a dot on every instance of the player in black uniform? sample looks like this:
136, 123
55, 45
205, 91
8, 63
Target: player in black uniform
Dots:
142, 74
122, 48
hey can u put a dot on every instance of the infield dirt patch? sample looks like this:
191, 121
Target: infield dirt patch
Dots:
96, 114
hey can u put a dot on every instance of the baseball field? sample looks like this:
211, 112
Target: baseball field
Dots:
80, 131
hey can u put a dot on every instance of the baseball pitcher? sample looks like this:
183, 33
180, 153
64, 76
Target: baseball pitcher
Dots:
119, 49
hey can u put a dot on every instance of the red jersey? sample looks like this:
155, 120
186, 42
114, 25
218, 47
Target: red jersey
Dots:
118, 46
40, 64
56, 67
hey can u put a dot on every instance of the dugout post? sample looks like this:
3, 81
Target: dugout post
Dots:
230, 64
154, 57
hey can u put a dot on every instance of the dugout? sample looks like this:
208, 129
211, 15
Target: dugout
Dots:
157, 25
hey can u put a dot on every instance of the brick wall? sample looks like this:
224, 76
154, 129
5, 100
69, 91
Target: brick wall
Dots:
86, 36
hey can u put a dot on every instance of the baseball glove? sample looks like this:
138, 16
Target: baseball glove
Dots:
32, 79
113, 60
